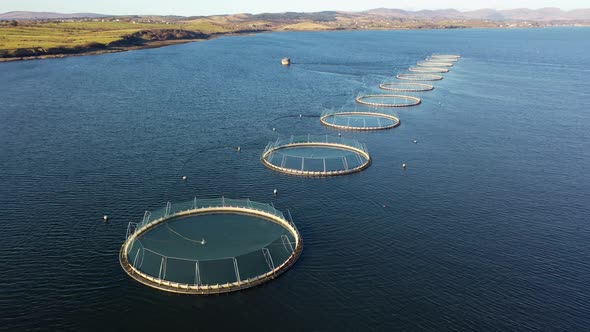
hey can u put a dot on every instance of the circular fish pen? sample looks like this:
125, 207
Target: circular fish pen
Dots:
313, 155
420, 77
436, 59
427, 63
356, 120
388, 100
406, 87
445, 57
428, 70
210, 246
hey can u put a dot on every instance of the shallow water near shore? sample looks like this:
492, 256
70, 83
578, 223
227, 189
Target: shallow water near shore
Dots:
487, 228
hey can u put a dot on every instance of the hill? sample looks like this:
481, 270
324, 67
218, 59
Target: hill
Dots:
543, 14
46, 16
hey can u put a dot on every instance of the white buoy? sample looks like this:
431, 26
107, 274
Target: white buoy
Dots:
105, 218
239, 149
184, 178
275, 192
415, 142
300, 115
339, 135
274, 129
404, 166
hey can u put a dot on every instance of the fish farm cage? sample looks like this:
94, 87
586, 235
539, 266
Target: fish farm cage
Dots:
388, 100
316, 155
210, 246
406, 87
419, 77
432, 63
428, 70
358, 120
444, 57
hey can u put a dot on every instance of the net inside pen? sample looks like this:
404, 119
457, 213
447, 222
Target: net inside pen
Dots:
316, 155
388, 100
358, 120
434, 63
210, 245
420, 77
406, 87
445, 57
428, 70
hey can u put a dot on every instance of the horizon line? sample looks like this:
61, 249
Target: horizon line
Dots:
290, 11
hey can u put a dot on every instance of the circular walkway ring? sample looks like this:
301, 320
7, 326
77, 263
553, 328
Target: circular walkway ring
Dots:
428, 70
175, 287
420, 77
446, 56
412, 101
359, 151
441, 59
426, 63
406, 87
395, 121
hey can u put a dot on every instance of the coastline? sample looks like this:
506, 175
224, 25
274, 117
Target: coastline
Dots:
132, 46
148, 44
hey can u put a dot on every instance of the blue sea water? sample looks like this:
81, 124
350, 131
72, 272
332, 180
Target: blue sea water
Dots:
487, 228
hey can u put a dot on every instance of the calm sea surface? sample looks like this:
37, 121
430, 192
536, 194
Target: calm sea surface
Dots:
487, 229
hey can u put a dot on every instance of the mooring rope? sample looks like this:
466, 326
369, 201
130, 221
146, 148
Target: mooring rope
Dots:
184, 237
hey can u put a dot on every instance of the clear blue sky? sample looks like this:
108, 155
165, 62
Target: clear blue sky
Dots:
211, 7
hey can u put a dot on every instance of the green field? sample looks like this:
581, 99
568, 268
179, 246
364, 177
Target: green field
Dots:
71, 34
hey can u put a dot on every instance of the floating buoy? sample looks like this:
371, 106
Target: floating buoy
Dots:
274, 129
275, 192
105, 218
404, 166
300, 115
415, 142
239, 149
339, 135
184, 178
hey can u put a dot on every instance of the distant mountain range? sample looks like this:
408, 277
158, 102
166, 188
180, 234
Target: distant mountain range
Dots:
543, 14
46, 15
522, 14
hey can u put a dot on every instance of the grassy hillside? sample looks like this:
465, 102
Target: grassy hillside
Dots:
49, 35
46, 35
304, 26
